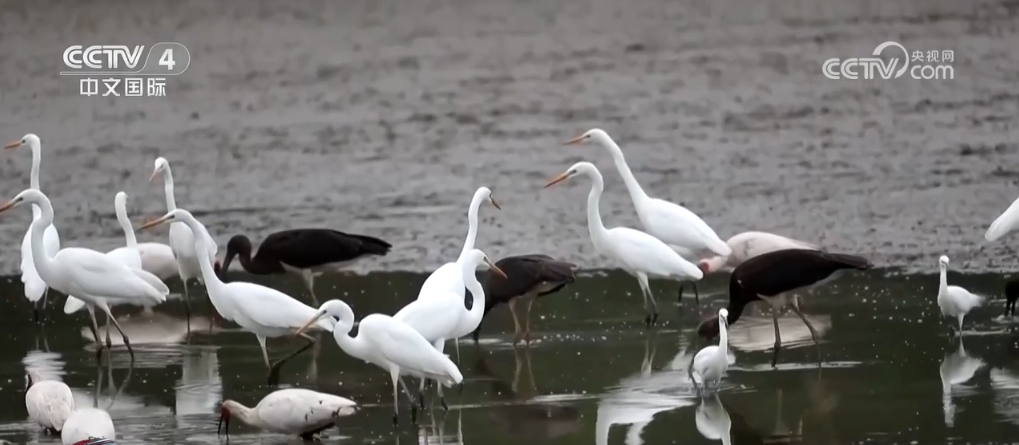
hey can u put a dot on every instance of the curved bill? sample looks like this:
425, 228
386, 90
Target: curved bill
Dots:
497, 206
154, 174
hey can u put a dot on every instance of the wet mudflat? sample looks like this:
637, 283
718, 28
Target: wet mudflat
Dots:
890, 372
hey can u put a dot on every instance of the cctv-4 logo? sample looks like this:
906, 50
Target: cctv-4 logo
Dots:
95, 441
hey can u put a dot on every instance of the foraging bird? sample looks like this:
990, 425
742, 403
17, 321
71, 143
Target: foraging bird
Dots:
49, 402
289, 411
527, 277
747, 245
443, 316
674, 224
636, 252
263, 311
773, 277
1011, 295
388, 344
954, 301
87, 424
93, 277
305, 252
36, 288
182, 240
711, 362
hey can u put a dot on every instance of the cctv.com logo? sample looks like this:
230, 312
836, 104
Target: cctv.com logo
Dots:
932, 65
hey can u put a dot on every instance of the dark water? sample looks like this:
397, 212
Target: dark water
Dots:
593, 375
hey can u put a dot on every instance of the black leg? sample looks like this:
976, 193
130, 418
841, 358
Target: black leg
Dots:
696, 295
680, 299
308, 436
274, 369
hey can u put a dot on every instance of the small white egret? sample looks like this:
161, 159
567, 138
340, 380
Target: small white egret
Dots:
747, 245
290, 411
35, 288
674, 224
955, 301
182, 239
49, 402
89, 275
388, 344
263, 311
636, 252
711, 362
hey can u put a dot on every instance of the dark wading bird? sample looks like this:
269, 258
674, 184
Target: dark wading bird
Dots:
1011, 295
773, 277
528, 277
305, 252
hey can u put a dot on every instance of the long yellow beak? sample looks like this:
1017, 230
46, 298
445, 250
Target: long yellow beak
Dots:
153, 223
574, 140
495, 269
494, 203
7, 206
306, 325
557, 180
14, 144
154, 174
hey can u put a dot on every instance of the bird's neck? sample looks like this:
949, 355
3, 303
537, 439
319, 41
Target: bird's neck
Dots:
41, 259
594, 222
723, 339
125, 223
353, 346
632, 186
36, 161
212, 282
472, 226
255, 266
944, 280
735, 309
171, 202
245, 414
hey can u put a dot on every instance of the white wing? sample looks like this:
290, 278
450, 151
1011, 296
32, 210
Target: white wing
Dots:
157, 259
126, 256
677, 225
404, 347
434, 317
49, 403
96, 275
1004, 223
747, 245
447, 278
963, 299
35, 287
298, 410
267, 307
645, 253
73, 305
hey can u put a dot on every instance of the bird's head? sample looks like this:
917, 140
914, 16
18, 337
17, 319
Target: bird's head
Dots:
238, 245
476, 258
594, 134
708, 329
176, 215
160, 166
579, 168
943, 261
29, 140
485, 194
31, 196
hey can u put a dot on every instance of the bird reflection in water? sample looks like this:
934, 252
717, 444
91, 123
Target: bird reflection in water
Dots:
89, 420
525, 414
435, 434
200, 388
956, 369
757, 332
153, 328
713, 420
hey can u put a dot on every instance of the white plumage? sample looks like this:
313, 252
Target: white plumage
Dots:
448, 277
955, 301
49, 402
747, 245
636, 252
290, 411
710, 363
86, 423
1004, 223
389, 344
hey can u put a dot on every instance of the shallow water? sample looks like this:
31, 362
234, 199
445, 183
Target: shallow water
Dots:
593, 373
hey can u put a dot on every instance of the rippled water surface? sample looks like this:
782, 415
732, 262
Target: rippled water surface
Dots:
890, 373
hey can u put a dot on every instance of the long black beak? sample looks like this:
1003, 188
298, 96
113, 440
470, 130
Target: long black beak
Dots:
221, 270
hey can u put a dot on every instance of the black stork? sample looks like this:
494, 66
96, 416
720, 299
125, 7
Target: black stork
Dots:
306, 252
527, 277
772, 277
1011, 295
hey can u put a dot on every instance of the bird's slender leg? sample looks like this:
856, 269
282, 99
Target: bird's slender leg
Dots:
406, 389
960, 317
516, 321
440, 345
274, 369
127, 342
394, 373
696, 295
109, 343
778, 336
265, 353
187, 304
94, 327
648, 295
810, 327
527, 320
679, 300
40, 307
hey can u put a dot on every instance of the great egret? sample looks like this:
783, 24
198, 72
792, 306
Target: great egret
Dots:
305, 252
89, 275
388, 344
49, 402
955, 301
636, 252
36, 289
711, 362
672, 223
260, 310
289, 411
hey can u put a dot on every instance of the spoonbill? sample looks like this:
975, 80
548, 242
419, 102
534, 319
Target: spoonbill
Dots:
292, 411
49, 402
747, 245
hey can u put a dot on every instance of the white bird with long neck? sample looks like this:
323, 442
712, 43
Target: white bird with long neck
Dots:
636, 252
127, 255
36, 288
448, 277
1007, 222
442, 316
711, 362
674, 224
49, 402
955, 301
91, 276
263, 311
389, 344
182, 239
290, 411
747, 245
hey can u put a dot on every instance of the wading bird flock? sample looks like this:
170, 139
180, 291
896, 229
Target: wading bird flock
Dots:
675, 244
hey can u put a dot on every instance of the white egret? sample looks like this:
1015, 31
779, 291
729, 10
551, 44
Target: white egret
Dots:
182, 239
49, 402
674, 224
711, 362
442, 316
955, 301
263, 311
89, 275
389, 344
127, 255
289, 411
1004, 223
747, 245
35, 288
636, 252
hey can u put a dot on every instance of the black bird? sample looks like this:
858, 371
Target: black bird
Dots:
1011, 295
771, 277
306, 252
527, 277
